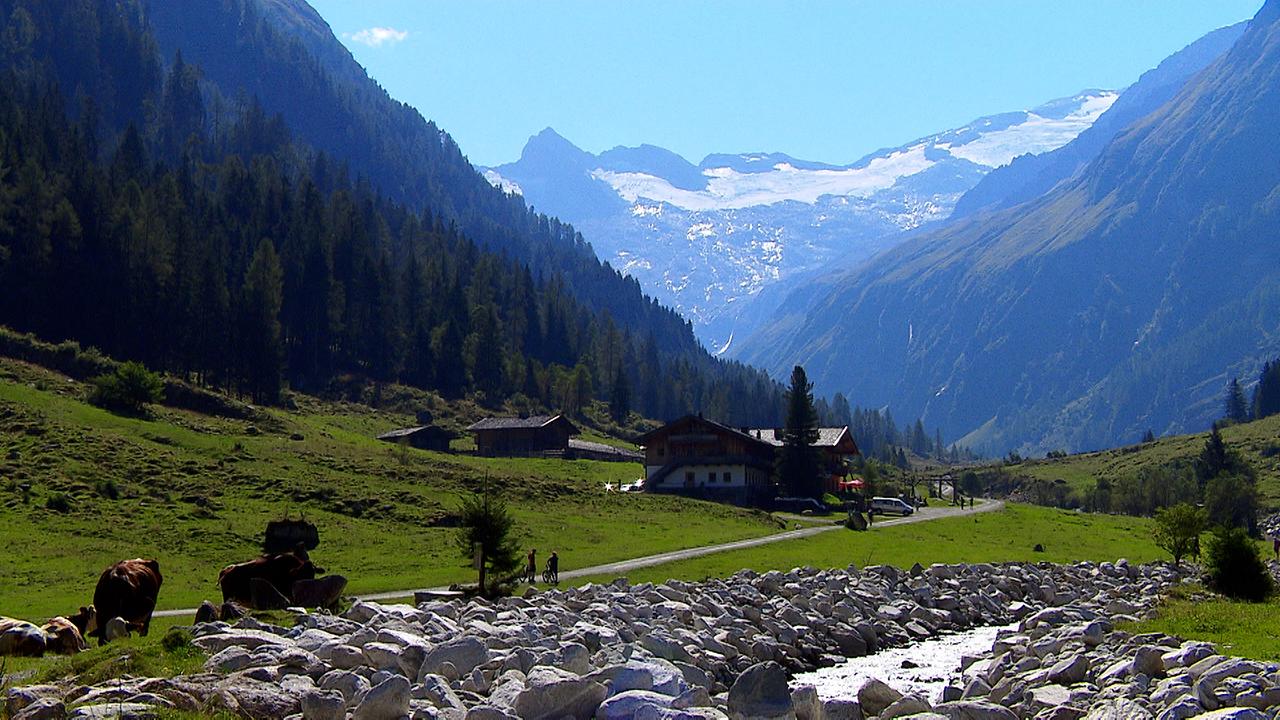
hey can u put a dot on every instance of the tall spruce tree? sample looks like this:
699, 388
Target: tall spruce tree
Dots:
798, 465
261, 355
1237, 409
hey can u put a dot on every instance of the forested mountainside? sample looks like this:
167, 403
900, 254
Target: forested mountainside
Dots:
149, 213
1030, 176
1118, 302
283, 54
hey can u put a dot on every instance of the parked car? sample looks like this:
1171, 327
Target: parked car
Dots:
891, 506
799, 505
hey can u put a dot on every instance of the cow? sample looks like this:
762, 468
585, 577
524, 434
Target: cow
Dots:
127, 590
23, 639
281, 570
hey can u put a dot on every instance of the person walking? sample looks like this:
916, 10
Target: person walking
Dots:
531, 569
553, 566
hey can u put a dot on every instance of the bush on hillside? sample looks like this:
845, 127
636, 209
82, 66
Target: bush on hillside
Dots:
1235, 568
59, 503
1178, 530
1232, 501
127, 390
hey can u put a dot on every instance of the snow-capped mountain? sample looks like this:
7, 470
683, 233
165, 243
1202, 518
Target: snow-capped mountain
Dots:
711, 239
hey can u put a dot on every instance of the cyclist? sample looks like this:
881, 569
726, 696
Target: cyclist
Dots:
553, 569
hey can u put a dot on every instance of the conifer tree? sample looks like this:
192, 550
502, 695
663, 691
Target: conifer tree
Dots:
1237, 410
487, 535
259, 327
797, 468
620, 397
1266, 397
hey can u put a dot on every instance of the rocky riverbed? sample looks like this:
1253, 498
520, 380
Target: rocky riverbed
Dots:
715, 649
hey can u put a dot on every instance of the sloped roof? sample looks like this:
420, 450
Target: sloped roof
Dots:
532, 422
406, 432
695, 419
827, 436
576, 444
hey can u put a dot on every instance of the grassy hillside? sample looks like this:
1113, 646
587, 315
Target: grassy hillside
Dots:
1257, 442
81, 488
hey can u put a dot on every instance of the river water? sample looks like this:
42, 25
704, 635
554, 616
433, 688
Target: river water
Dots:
929, 666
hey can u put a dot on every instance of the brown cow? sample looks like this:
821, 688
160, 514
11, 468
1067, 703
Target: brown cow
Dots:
281, 570
127, 590
21, 638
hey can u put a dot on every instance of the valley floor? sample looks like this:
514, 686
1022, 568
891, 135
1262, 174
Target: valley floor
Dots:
81, 488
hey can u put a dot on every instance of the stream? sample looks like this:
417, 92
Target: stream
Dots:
929, 666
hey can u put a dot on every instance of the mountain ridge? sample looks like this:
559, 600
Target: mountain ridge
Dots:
1085, 316
708, 239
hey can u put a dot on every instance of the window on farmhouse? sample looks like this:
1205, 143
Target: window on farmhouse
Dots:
728, 478
711, 478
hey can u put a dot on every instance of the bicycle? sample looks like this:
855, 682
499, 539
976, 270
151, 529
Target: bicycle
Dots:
549, 577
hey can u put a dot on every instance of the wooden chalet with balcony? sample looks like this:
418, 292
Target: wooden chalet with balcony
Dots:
701, 458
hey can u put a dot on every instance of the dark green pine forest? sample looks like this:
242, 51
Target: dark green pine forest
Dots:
151, 212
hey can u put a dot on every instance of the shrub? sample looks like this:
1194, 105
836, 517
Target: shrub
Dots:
128, 390
1235, 568
107, 489
58, 503
1178, 530
177, 640
832, 501
1232, 501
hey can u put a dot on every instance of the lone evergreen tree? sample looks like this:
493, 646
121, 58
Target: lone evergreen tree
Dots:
797, 468
486, 535
1237, 409
1213, 458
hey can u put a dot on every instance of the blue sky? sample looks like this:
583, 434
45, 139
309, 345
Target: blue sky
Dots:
819, 80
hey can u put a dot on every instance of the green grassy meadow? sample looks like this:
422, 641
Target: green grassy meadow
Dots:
1000, 536
81, 488
1258, 442
1246, 629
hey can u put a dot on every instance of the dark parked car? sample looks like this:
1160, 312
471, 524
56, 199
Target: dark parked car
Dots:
799, 505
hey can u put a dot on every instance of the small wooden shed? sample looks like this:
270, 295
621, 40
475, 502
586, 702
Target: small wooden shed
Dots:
423, 437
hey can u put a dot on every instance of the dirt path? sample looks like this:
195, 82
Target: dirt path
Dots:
623, 567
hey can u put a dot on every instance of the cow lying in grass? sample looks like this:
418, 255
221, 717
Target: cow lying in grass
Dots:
277, 573
23, 639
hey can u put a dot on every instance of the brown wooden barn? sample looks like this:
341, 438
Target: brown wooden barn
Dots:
536, 435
